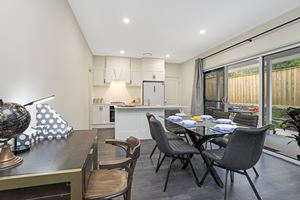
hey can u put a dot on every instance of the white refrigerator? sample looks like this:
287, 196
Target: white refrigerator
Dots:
153, 93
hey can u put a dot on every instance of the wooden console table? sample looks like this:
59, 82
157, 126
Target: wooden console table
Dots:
56, 161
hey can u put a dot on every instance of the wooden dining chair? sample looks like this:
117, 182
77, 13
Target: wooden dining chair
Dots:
114, 178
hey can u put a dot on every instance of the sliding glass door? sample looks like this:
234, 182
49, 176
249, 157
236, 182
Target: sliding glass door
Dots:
281, 91
243, 87
214, 90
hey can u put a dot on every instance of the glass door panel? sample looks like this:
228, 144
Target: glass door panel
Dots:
214, 90
243, 87
281, 91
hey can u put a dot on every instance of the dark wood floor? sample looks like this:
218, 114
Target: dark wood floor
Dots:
279, 180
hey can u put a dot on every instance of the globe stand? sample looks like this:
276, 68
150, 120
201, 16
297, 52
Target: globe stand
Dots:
7, 158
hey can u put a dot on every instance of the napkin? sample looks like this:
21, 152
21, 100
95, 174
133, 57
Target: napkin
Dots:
206, 117
224, 128
188, 123
181, 114
174, 118
224, 121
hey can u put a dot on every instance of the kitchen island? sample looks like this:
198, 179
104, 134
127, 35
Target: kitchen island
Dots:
132, 121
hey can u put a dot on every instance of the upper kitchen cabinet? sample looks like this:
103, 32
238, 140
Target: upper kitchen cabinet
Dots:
153, 69
117, 68
135, 72
99, 70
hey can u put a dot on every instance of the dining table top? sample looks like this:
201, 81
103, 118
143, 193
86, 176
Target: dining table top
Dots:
203, 127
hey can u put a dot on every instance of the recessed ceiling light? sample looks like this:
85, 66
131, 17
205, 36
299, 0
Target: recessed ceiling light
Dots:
122, 52
168, 56
126, 20
202, 31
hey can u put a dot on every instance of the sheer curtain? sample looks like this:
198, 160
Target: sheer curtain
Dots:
197, 107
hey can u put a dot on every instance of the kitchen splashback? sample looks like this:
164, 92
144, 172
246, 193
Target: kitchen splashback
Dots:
116, 94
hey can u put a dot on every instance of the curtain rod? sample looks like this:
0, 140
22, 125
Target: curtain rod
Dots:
253, 37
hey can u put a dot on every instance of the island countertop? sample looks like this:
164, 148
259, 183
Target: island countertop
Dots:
147, 107
132, 121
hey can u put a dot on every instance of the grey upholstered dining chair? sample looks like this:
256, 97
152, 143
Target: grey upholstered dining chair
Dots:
217, 114
175, 149
170, 136
243, 120
243, 151
114, 178
172, 127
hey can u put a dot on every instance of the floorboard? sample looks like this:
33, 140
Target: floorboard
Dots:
278, 180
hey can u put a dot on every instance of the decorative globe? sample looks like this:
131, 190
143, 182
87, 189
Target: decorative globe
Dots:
14, 120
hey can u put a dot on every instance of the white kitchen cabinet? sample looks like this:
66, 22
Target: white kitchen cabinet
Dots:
153, 64
136, 78
100, 114
153, 69
117, 68
99, 70
98, 76
135, 72
153, 76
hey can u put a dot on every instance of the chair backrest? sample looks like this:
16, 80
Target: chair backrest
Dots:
217, 114
246, 119
172, 127
133, 152
149, 115
161, 138
244, 148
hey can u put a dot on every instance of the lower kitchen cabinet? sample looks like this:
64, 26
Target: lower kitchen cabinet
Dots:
100, 116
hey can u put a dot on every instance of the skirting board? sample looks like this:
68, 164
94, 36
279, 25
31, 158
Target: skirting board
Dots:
285, 158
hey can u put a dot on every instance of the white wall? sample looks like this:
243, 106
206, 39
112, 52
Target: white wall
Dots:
172, 84
187, 78
280, 38
43, 52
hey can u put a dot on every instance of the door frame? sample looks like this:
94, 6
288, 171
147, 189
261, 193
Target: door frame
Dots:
204, 86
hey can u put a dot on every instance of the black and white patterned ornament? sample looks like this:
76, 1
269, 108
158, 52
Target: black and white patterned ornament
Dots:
49, 125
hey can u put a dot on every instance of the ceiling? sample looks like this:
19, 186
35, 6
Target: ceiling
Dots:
171, 27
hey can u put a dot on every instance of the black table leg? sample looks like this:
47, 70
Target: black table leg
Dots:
198, 143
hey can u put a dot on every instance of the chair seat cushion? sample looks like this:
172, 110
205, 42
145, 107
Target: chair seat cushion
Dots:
172, 136
104, 183
180, 147
221, 141
214, 154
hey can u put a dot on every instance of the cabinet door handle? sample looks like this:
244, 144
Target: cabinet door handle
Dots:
100, 108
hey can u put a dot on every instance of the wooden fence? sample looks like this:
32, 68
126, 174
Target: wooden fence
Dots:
245, 89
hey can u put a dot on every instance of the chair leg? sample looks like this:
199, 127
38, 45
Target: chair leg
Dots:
193, 170
128, 194
168, 174
158, 166
187, 140
153, 151
205, 147
256, 173
206, 173
210, 146
232, 176
158, 161
226, 178
252, 185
